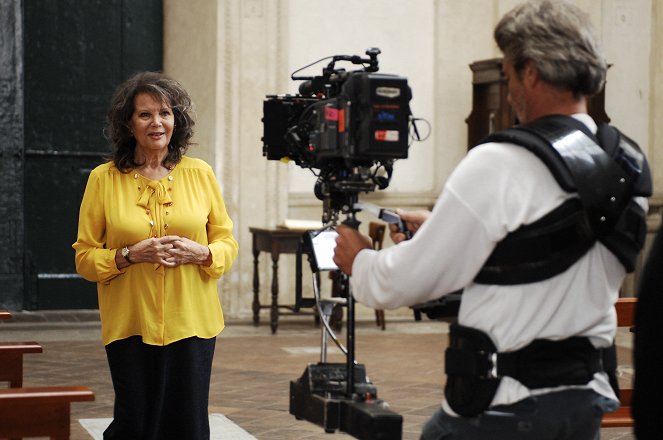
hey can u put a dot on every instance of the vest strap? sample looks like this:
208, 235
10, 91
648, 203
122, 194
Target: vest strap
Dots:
606, 170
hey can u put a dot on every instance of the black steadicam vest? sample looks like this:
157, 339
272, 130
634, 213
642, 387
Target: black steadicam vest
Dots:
607, 171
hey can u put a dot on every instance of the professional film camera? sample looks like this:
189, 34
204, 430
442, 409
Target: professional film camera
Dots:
348, 128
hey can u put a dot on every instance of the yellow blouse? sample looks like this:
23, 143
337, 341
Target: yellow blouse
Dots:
161, 304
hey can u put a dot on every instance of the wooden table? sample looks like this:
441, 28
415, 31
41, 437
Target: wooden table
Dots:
276, 241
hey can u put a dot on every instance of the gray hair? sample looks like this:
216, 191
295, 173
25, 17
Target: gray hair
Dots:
558, 38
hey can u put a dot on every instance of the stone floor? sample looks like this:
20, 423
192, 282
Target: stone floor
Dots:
252, 369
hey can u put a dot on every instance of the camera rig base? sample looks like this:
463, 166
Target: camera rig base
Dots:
348, 127
339, 396
319, 397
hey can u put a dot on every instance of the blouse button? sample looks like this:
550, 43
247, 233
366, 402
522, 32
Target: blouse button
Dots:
170, 178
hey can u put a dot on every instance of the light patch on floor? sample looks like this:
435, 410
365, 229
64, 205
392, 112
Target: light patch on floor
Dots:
298, 351
220, 428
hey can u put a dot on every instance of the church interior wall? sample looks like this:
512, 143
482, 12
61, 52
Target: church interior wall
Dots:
229, 54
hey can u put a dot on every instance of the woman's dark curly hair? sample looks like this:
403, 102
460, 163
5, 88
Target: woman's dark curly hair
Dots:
118, 123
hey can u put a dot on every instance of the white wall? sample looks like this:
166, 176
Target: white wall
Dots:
317, 30
627, 35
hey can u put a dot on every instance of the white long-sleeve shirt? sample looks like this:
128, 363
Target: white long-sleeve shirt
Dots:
496, 188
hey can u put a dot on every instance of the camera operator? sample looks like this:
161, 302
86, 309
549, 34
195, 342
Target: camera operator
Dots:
539, 255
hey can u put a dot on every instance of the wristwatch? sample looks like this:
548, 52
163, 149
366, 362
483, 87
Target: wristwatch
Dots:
125, 254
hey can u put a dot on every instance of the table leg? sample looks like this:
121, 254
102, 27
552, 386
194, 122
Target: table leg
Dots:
256, 286
336, 320
274, 315
298, 279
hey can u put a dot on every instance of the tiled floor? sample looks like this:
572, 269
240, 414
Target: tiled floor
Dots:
253, 369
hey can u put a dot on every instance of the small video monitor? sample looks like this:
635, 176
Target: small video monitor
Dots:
322, 244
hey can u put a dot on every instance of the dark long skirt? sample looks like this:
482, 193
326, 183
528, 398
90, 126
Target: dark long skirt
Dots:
161, 392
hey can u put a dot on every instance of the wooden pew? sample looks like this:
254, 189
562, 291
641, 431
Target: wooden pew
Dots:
11, 361
31, 412
622, 417
11, 357
39, 412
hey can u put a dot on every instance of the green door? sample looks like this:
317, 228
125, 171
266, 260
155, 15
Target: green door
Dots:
75, 54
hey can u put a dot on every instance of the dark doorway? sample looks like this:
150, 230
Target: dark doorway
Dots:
75, 54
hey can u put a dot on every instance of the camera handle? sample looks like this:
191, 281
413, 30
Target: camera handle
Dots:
372, 60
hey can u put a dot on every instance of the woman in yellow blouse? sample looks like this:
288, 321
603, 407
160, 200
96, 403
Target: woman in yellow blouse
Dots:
155, 236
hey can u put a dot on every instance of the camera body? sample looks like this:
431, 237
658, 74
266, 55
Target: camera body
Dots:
340, 119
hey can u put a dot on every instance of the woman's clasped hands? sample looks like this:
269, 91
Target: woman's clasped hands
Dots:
170, 251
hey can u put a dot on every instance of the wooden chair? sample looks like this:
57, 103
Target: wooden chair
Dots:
622, 417
39, 412
11, 361
376, 232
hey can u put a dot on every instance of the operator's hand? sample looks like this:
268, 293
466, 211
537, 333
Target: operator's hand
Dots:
413, 221
348, 244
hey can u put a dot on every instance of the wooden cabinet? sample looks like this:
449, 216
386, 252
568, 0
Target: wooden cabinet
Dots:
490, 109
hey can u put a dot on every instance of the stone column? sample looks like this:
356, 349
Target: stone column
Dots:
229, 54
11, 153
